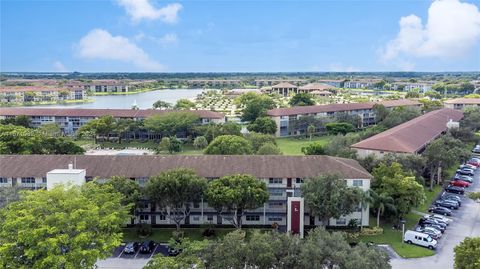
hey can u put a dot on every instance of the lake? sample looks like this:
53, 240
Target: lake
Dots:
144, 100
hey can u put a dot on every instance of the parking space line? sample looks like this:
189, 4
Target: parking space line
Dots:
153, 252
121, 252
138, 251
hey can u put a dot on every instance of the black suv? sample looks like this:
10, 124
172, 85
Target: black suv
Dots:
454, 189
147, 247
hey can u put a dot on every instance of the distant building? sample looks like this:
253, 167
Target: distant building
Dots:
70, 119
271, 82
462, 103
410, 137
213, 83
283, 176
319, 89
332, 82
284, 88
108, 86
22, 94
422, 87
286, 117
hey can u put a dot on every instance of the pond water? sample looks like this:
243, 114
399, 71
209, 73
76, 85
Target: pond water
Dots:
143, 100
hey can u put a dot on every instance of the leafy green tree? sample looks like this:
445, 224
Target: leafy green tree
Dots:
381, 112
200, 142
213, 130
130, 190
175, 145
9, 195
474, 195
171, 123
174, 190
50, 129
302, 99
193, 255
257, 140
164, 144
184, 104
311, 130
121, 127
229, 145
430, 105
99, 127
412, 164
393, 181
315, 148
269, 149
467, 255
328, 197
400, 115
303, 123
340, 145
65, 227
322, 249
412, 94
257, 107
471, 119
339, 128
263, 125
442, 153
162, 104
381, 202
365, 257
21, 120
236, 194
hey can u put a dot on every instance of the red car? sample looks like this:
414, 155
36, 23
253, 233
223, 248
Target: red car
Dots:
460, 183
474, 162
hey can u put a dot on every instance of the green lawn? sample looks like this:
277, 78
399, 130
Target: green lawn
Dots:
431, 195
293, 146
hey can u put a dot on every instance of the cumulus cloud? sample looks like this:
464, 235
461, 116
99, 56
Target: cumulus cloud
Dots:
451, 31
59, 67
100, 44
143, 9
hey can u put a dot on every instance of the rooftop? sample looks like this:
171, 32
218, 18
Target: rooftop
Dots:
284, 85
299, 110
316, 86
84, 112
413, 135
469, 101
32, 89
205, 165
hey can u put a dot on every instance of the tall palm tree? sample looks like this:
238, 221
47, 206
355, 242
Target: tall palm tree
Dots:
381, 202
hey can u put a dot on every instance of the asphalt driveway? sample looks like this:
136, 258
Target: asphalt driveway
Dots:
466, 224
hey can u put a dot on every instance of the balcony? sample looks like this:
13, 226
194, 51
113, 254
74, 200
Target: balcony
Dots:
34, 186
5, 185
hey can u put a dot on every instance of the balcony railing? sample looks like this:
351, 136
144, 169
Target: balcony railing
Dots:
33, 185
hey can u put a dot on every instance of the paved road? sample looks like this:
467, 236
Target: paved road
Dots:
466, 224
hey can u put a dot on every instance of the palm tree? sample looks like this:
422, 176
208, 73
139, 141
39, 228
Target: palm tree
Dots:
381, 202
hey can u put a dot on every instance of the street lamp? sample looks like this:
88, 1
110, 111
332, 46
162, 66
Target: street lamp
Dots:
402, 221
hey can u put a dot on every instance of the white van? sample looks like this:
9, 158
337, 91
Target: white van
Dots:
421, 239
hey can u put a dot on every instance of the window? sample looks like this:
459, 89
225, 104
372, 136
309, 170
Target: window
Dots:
275, 218
162, 217
196, 205
252, 218
299, 180
357, 183
3, 180
275, 180
144, 217
276, 192
44, 180
275, 204
196, 218
341, 221
28, 180
209, 218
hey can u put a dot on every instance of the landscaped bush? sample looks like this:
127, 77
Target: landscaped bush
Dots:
372, 231
144, 230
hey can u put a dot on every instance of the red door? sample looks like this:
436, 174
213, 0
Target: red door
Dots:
289, 182
295, 215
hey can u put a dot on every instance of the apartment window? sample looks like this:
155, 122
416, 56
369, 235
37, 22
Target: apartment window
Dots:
3, 180
210, 218
275, 180
275, 218
196, 218
28, 180
276, 192
44, 180
357, 183
162, 217
275, 204
196, 205
299, 180
144, 217
341, 221
252, 218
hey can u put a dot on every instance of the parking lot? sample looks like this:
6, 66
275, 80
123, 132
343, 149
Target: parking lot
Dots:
466, 223
120, 259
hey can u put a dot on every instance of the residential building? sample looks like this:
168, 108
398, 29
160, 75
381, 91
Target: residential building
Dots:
284, 88
22, 94
213, 83
319, 89
462, 103
108, 86
337, 83
283, 175
70, 119
271, 82
410, 137
359, 84
285, 117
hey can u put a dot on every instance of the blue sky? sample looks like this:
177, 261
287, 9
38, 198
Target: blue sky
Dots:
244, 36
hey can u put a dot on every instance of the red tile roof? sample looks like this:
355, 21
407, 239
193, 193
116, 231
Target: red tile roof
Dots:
299, 110
31, 89
83, 112
316, 86
413, 135
469, 101
205, 165
284, 85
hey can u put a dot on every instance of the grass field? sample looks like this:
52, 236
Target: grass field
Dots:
293, 146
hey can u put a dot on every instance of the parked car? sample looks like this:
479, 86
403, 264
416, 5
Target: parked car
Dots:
455, 189
424, 222
147, 247
476, 149
473, 167
466, 171
440, 210
438, 217
435, 226
420, 239
131, 248
464, 178
452, 196
460, 183
447, 203
440, 221
434, 233
173, 251
474, 161
451, 199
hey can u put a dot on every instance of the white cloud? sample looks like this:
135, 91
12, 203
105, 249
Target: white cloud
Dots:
100, 44
451, 31
170, 38
143, 9
59, 67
